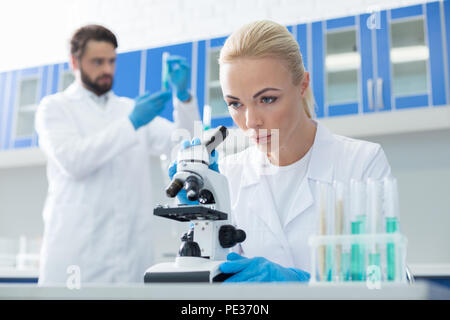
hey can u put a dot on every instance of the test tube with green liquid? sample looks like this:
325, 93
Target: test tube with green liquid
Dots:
374, 210
165, 72
392, 224
358, 226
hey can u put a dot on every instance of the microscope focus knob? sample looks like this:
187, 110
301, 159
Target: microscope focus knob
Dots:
229, 236
189, 248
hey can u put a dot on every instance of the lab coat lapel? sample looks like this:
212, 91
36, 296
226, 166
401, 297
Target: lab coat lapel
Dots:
303, 199
320, 168
261, 203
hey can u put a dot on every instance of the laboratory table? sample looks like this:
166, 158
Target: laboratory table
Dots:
258, 291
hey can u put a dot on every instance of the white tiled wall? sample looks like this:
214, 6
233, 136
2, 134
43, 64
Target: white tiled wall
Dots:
45, 26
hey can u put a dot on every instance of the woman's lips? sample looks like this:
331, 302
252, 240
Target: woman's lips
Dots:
262, 139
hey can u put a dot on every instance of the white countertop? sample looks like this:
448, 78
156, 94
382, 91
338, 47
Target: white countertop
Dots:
423, 270
257, 291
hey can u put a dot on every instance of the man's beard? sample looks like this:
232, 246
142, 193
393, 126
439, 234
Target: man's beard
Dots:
98, 89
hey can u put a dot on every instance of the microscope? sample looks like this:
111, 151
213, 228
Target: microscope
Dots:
205, 246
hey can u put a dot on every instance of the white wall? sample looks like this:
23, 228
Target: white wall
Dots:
421, 163
38, 32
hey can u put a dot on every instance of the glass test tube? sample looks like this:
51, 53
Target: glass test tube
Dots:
358, 226
374, 209
342, 226
165, 72
392, 223
325, 259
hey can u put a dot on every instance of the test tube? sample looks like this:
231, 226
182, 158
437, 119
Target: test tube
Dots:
358, 226
392, 223
165, 72
325, 213
374, 209
342, 226
207, 112
330, 263
322, 227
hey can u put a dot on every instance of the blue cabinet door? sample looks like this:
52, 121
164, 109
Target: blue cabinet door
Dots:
153, 69
127, 77
437, 71
317, 64
302, 40
367, 25
212, 92
410, 58
381, 82
23, 90
336, 66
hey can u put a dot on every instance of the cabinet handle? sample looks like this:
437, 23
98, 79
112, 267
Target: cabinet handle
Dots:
380, 104
370, 93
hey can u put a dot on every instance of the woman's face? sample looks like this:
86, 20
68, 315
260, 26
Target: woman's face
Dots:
261, 97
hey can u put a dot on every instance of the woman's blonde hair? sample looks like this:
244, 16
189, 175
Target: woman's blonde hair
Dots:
266, 38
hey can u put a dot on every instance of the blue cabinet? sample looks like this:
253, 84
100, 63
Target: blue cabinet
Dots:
396, 62
385, 61
410, 61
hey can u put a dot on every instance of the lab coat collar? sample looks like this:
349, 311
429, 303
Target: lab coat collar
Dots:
320, 165
77, 92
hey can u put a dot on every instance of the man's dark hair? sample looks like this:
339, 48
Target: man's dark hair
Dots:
90, 32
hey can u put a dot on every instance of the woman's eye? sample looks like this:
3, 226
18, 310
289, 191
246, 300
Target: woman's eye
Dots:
234, 104
268, 100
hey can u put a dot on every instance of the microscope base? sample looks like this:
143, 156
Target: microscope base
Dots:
186, 269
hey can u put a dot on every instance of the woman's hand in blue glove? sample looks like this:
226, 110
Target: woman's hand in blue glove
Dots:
259, 270
213, 165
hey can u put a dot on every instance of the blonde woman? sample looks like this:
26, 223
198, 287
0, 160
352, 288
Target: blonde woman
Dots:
269, 97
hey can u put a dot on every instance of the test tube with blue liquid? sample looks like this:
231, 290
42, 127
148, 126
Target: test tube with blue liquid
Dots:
358, 226
165, 72
392, 224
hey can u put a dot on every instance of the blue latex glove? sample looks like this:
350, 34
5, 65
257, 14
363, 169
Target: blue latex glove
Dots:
182, 196
259, 270
179, 73
147, 107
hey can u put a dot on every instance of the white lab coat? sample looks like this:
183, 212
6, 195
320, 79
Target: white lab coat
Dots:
333, 158
98, 211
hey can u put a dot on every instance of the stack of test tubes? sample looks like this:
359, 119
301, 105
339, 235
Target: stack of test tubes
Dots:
358, 238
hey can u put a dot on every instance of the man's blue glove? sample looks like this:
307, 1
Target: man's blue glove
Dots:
213, 165
259, 270
179, 73
147, 107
